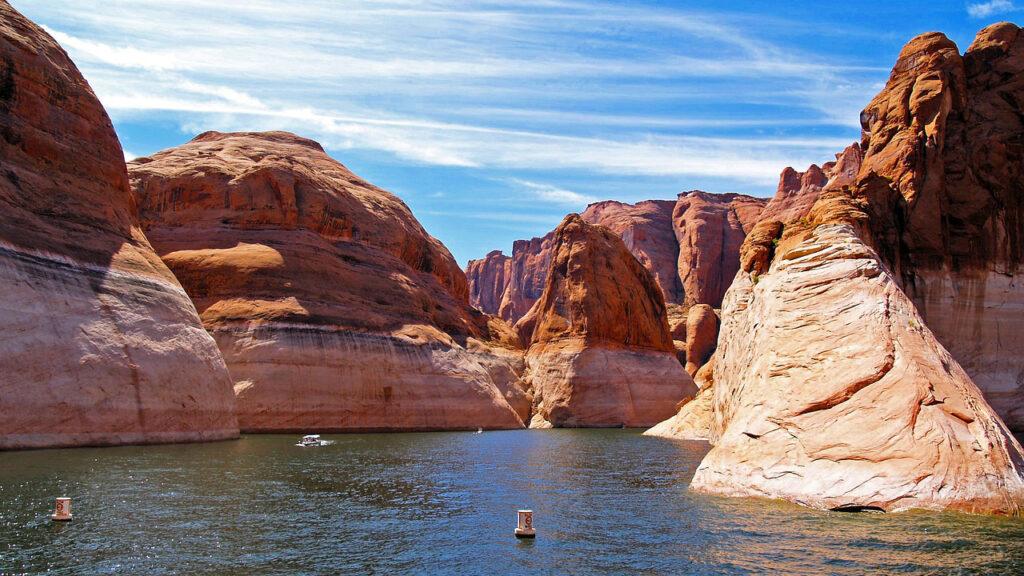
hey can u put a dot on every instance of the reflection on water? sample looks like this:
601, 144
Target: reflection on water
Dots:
605, 501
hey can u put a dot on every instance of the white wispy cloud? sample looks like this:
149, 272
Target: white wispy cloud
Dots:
750, 160
496, 216
553, 194
986, 9
641, 121
482, 85
117, 56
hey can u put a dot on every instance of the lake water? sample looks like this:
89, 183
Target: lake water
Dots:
605, 502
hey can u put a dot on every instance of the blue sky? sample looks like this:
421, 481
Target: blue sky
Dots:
493, 120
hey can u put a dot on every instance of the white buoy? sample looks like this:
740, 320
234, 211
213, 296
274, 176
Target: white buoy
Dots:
62, 512
524, 529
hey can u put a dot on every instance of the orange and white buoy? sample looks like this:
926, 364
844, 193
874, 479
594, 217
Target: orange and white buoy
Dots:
524, 528
62, 513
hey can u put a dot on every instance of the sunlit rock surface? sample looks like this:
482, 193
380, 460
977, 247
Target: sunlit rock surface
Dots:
600, 353
100, 345
689, 245
830, 391
833, 386
333, 308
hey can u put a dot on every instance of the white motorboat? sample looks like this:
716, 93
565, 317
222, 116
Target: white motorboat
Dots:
312, 440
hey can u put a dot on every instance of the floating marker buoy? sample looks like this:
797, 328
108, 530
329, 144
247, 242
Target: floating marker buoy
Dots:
62, 512
524, 529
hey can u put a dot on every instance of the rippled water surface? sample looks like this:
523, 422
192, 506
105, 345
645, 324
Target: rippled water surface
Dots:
605, 502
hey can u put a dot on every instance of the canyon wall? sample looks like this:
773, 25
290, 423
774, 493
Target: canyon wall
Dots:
709, 229
600, 352
333, 308
830, 391
100, 345
508, 286
832, 387
944, 173
690, 245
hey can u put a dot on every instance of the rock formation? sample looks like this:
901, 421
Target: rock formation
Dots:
333, 308
830, 387
701, 336
523, 282
710, 229
798, 191
646, 229
600, 352
831, 392
694, 417
689, 245
677, 316
100, 344
944, 171
488, 279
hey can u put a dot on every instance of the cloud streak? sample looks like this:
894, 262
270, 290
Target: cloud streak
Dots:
489, 85
986, 9
547, 105
468, 146
339, 58
553, 194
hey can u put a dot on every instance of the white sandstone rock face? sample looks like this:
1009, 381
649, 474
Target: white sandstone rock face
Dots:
831, 392
979, 317
292, 378
581, 386
694, 419
96, 356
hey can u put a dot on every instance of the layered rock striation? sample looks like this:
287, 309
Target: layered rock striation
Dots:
100, 344
600, 352
333, 308
830, 391
832, 386
944, 174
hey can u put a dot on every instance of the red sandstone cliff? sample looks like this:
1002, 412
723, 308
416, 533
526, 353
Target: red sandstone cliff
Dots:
100, 344
944, 174
710, 229
333, 308
689, 245
600, 352
646, 229
832, 387
488, 280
